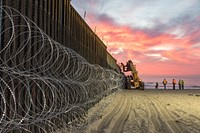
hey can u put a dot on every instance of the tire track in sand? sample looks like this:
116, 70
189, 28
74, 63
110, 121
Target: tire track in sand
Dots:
108, 118
154, 116
165, 116
125, 111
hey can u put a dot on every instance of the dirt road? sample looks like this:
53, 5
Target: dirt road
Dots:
148, 111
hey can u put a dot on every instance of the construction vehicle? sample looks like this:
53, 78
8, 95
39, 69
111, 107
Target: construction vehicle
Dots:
132, 81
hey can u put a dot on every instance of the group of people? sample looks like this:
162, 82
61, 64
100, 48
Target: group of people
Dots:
180, 84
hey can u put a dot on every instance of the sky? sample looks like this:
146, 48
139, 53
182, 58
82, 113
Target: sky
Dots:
161, 37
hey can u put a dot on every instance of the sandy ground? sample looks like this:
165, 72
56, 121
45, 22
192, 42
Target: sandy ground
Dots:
148, 111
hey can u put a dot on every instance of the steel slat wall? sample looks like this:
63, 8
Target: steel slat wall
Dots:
59, 20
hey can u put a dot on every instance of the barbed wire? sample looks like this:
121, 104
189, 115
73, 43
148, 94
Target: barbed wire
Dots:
45, 86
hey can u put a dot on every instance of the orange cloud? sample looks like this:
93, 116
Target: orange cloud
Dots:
162, 54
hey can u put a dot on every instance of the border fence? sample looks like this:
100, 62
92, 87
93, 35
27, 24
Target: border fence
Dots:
53, 68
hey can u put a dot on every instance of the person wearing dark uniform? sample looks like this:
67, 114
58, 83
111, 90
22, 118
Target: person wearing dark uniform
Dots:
156, 85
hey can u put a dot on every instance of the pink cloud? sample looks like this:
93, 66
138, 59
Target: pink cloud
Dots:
161, 54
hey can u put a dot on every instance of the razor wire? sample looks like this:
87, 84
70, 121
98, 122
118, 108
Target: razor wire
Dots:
44, 85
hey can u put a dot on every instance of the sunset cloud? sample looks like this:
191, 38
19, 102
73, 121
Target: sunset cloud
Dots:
165, 33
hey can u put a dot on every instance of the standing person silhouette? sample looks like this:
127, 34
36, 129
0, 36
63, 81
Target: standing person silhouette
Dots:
164, 83
174, 83
180, 83
156, 85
